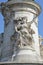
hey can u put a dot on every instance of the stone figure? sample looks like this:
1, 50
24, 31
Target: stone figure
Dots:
23, 32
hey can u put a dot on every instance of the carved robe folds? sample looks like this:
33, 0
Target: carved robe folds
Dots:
23, 33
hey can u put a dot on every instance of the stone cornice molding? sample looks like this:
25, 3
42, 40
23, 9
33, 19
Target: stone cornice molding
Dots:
31, 4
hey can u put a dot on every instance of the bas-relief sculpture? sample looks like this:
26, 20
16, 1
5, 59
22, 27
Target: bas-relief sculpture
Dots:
23, 29
23, 33
22, 36
20, 24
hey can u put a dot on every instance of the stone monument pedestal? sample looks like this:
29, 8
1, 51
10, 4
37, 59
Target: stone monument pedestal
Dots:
21, 39
26, 55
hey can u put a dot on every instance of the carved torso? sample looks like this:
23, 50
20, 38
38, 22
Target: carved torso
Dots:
23, 32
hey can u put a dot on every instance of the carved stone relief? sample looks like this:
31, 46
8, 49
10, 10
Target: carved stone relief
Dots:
23, 32
8, 16
7, 13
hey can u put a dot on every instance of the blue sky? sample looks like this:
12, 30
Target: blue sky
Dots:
40, 21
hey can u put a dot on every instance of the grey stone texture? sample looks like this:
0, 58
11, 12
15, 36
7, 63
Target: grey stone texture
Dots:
18, 44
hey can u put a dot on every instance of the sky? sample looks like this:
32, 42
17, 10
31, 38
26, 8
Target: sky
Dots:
40, 19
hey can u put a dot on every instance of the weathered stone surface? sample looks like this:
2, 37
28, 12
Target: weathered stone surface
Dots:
20, 41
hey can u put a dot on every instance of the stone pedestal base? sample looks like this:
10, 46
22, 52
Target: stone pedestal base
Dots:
26, 55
